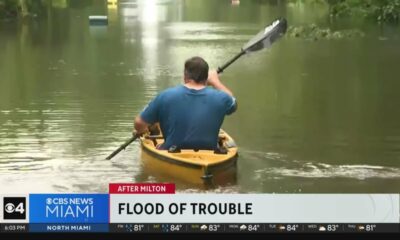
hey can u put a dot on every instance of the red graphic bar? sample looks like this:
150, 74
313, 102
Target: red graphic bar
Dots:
141, 188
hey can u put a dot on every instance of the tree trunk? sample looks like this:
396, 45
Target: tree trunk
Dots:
23, 8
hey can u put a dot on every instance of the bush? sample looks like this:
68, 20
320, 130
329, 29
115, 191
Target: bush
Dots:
14, 8
8, 8
378, 10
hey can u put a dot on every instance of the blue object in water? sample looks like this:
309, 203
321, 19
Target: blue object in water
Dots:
98, 20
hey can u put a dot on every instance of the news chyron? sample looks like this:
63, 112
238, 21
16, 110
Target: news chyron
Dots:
158, 208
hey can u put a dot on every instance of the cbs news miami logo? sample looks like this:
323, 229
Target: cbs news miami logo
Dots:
14, 208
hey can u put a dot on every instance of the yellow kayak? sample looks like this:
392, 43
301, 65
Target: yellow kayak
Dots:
190, 166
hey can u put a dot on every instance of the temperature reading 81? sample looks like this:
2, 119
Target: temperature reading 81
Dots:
370, 228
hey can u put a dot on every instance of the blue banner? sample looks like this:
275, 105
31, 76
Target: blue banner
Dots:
68, 208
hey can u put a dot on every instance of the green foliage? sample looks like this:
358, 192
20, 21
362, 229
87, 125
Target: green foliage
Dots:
389, 12
23, 8
378, 10
313, 32
8, 8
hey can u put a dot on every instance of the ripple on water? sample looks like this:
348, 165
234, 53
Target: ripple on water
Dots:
322, 170
209, 31
219, 189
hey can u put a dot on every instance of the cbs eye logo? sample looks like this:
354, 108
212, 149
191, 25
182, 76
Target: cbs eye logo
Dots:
14, 208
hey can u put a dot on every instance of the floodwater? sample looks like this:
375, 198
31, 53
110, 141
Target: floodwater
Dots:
315, 116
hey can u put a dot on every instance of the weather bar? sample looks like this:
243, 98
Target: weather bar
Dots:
205, 228
255, 228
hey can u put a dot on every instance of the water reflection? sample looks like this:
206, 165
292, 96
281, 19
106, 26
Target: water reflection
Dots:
149, 20
128, 12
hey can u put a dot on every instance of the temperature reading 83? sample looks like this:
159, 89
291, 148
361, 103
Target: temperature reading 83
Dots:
213, 227
332, 227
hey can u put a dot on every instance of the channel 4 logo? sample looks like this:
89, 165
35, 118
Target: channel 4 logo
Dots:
14, 208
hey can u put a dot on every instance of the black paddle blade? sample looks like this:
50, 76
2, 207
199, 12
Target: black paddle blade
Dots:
266, 37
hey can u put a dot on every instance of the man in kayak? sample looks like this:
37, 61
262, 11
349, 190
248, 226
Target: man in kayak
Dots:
190, 115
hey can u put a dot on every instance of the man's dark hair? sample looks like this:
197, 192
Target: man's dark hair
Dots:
196, 68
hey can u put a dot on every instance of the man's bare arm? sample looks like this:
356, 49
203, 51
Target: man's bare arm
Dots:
213, 80
140, 125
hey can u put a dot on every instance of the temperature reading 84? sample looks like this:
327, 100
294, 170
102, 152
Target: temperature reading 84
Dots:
253, 228
175, 227
292, 228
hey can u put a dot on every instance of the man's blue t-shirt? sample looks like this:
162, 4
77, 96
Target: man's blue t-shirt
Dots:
189, 118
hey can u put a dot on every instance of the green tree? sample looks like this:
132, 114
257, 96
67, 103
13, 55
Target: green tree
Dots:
378, 10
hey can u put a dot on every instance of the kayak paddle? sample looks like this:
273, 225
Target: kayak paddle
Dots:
123, 146
264, 39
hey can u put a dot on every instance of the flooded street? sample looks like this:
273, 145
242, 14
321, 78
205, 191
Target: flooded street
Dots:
314, 116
